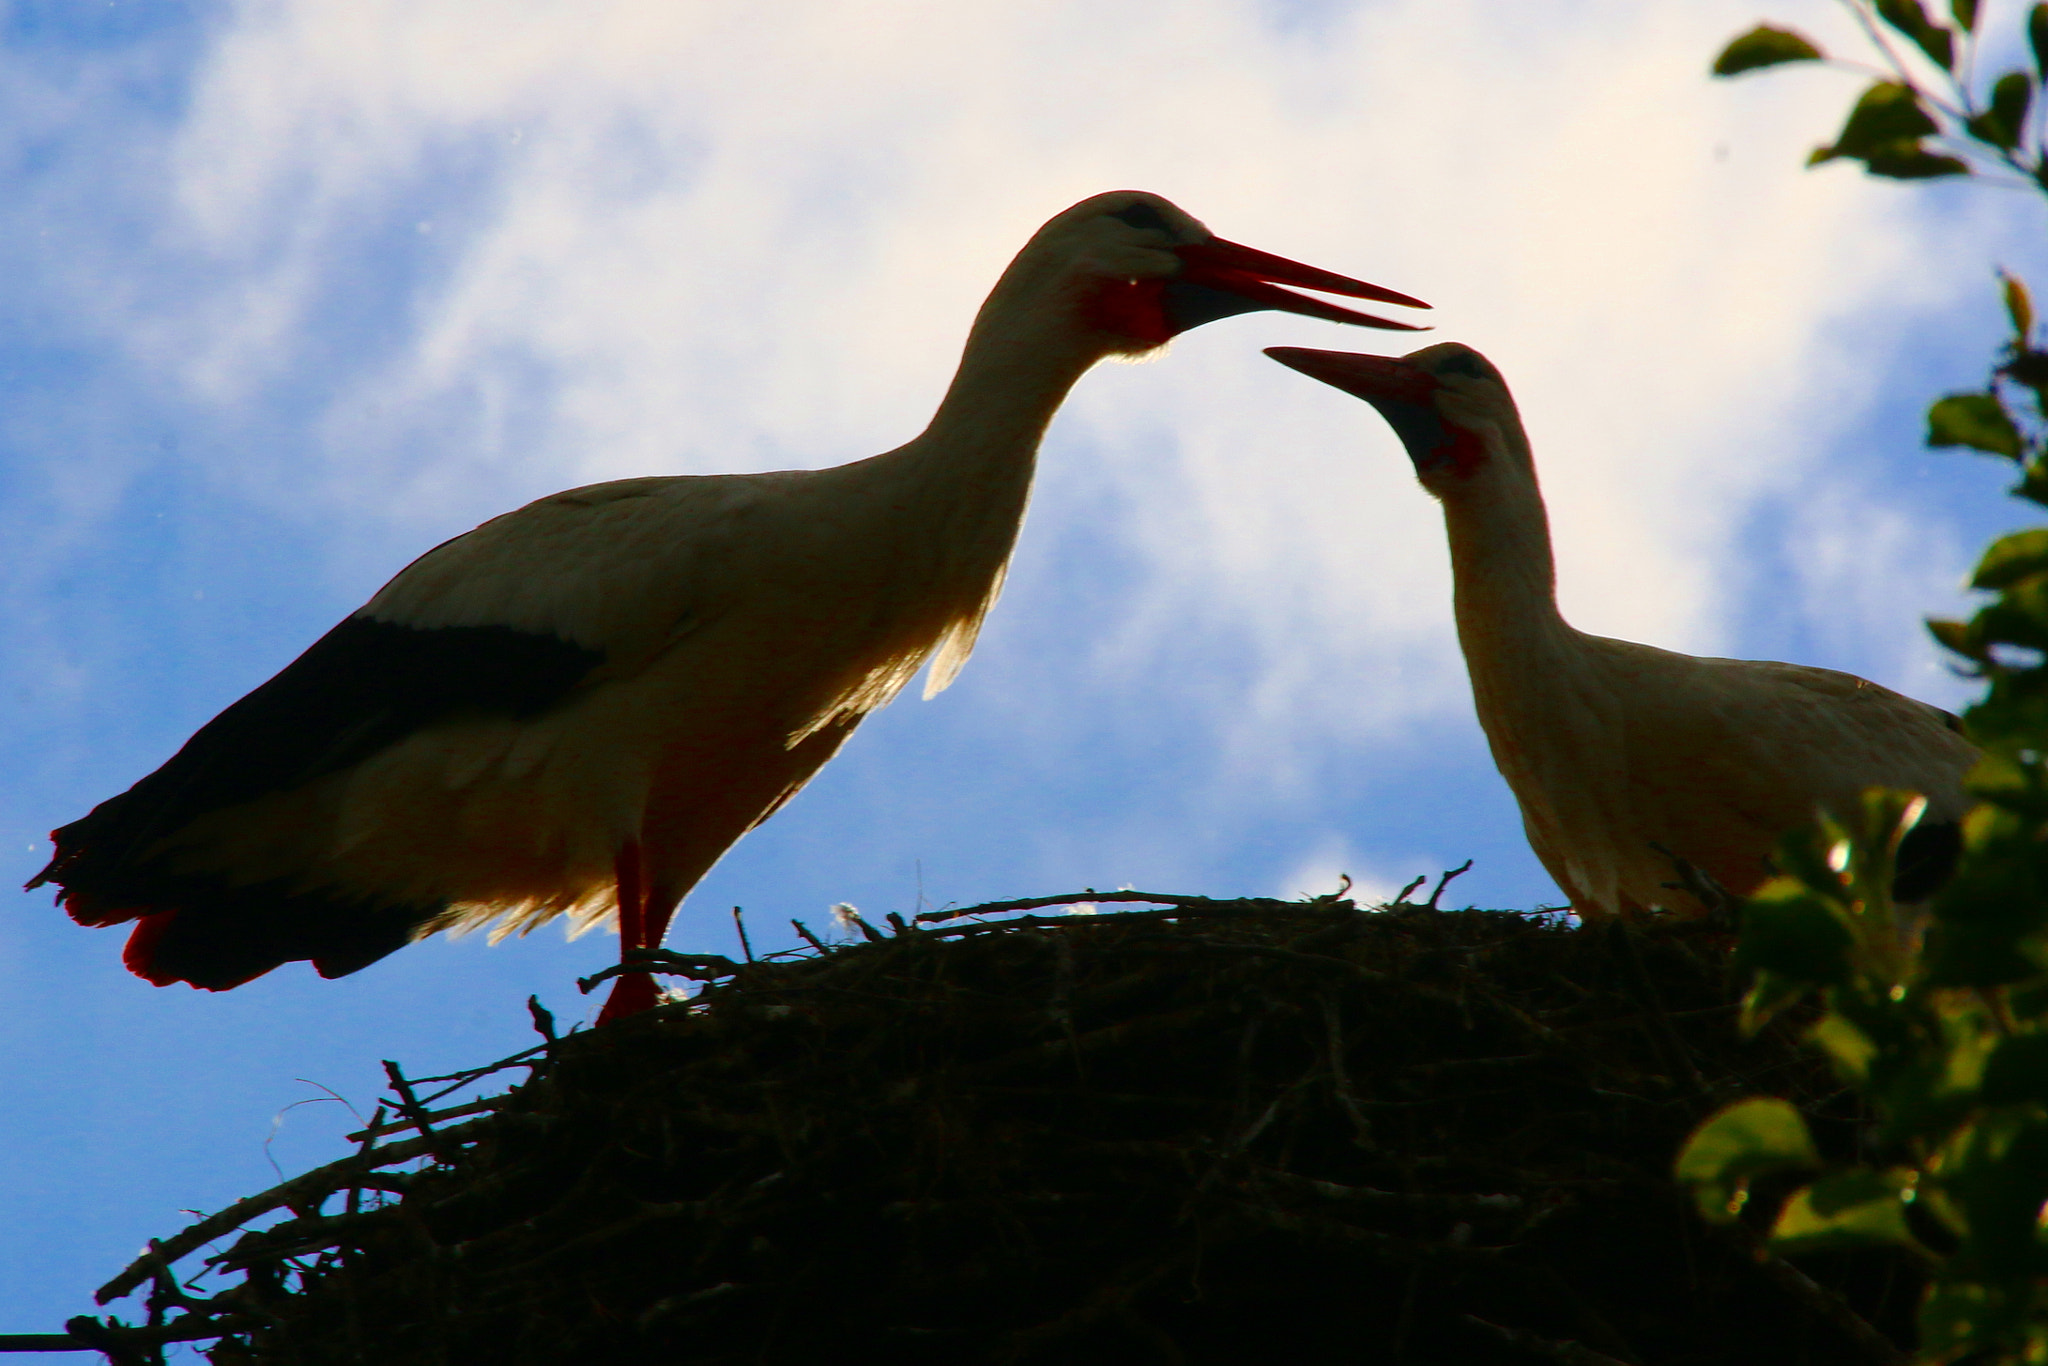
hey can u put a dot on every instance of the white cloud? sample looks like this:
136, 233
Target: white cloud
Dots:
497, 249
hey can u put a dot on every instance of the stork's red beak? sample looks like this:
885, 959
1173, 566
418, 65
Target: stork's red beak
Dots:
1376, 379
1220, 278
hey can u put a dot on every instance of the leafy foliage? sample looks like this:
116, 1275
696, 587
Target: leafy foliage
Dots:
1937, 1018
1907, 128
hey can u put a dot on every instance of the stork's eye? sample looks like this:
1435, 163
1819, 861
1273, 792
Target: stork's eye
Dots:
1143, 217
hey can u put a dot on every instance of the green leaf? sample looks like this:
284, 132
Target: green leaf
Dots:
1848, 1047
2017, 1073
1849, 1209
1998, 1171
2012, 558
1747, 1139
1886, 116
2019, 306
1953, 635
1914, 162
1767, 996
1908, 18
2037, 36
2029, 368
1965, 14
1978, 421
2002, 123
1764, 46
1789, 931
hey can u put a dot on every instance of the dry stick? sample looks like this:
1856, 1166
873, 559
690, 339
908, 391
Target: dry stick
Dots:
739, 922
43, 1342
698, 967
1569, 1352
1401, 897
377, 1128
1815, 1296
1449, 1203
409, 1106
809, 938
317, 1182
543, 1019
1346, 1097
1032, 903
1662, 1031
867, 931
462, 1079
1445, 881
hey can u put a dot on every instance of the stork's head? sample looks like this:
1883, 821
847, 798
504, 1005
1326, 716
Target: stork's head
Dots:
1133, 271
1447, 403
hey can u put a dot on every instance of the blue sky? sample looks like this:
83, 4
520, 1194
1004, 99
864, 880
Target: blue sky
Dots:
290, 292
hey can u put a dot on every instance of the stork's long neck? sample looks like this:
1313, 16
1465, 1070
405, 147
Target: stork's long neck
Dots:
974, 462
1517, 647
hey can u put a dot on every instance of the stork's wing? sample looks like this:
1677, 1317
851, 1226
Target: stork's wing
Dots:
1755, 746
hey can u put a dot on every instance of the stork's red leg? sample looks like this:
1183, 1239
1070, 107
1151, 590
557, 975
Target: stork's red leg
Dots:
633, 992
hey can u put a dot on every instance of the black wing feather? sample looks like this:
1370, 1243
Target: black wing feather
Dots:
361, 688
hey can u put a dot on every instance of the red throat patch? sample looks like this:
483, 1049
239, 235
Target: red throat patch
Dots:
1132, 309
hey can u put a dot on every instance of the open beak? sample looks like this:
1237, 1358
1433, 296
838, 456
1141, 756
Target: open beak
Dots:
1219, 279
1376, 379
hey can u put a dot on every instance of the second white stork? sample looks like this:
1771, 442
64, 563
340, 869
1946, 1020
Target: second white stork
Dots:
577, 707
1622, 755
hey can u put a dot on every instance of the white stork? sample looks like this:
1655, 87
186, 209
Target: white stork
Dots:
578, 706
1618, 752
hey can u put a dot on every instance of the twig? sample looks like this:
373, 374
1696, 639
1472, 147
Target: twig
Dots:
698, 967
43, 1342
739, 922
1089, 894
543, 1018
1401, 897
1340, 1078
464, 1078
315, 1183
1448, 1203
1815, 1296
867, 931
377, 1129
808, 937
1405, 1250
1570, 1352
409, 1106
1445, 881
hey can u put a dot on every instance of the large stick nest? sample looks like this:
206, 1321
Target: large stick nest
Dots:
1220, 1132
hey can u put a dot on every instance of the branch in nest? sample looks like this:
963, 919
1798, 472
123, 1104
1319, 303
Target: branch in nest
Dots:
1569, 1352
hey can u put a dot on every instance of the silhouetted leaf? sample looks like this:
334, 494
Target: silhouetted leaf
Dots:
2017, 1073
2012, 558
1908, 18
2002, 123
1789, 931
2037, 36
1978, 421
1764, 46
1848, 1047
2000, 1177
2029, 368
1914, 162
1747, 1139
2019, 306
1965, 14
1953, 635
1849, 1209
1887, 117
